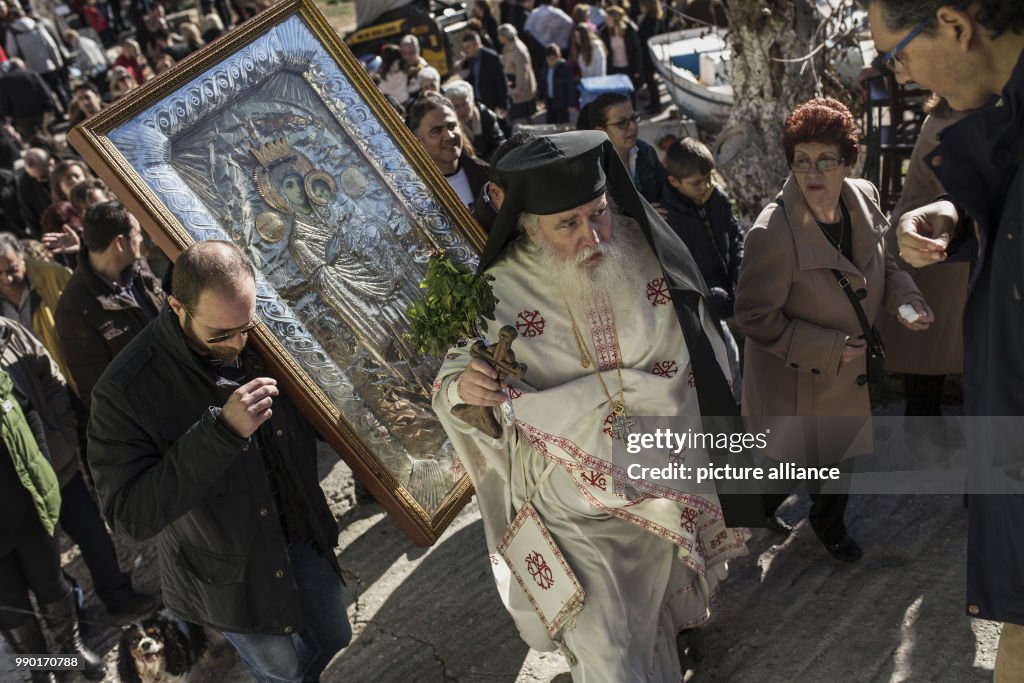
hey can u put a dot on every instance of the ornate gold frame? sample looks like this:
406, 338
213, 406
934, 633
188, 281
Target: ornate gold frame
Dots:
92, 140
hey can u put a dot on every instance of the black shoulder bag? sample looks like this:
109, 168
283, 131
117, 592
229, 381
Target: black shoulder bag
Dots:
875, 352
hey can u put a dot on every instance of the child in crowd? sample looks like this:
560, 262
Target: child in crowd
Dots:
558, 86
700, 212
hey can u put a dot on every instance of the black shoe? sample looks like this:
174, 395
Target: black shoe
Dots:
845, 550
63, 622
27, 639
778, 525
135, 605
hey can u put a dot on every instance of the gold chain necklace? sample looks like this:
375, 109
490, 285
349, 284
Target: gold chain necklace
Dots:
621, 423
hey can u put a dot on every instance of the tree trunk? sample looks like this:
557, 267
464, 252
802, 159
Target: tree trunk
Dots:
765, 90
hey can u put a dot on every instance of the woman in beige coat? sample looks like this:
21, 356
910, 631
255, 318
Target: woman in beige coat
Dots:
925, 359
805, 350
522, 83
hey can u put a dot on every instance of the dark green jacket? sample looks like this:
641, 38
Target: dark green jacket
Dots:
30, 463
39, 379
166, 467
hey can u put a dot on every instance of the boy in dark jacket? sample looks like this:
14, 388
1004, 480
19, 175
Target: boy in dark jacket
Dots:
558, 86
700, 212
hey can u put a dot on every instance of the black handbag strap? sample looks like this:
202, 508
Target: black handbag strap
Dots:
869, 332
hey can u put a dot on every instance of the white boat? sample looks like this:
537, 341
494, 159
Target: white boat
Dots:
694, 64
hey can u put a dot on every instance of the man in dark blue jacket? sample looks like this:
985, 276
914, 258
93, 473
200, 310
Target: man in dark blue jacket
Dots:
486, 74
558, 86
972, 53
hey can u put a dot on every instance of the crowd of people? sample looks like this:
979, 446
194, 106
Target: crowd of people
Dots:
522, 56
53, 79
653, 298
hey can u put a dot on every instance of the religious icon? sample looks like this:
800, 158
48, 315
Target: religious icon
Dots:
276, 140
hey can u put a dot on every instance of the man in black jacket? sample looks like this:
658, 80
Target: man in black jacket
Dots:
26, 99
191, 443
485, 73
110, 298
972, 54
33, 185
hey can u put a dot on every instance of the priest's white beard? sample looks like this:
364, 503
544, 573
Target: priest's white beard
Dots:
618, 281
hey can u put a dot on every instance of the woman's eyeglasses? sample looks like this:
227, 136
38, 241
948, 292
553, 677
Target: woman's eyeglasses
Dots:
625, 123
823, 164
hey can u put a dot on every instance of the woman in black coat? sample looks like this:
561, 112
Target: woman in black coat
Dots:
651, 22
622, 40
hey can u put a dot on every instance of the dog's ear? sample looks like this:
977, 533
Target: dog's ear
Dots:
126, 668
196, 639
176, 651
127, 628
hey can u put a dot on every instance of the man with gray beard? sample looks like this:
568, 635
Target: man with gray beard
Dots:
609, 307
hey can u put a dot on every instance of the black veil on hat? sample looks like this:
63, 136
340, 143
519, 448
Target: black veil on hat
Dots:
556, 173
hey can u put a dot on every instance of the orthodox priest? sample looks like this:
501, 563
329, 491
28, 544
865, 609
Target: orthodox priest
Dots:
609, 307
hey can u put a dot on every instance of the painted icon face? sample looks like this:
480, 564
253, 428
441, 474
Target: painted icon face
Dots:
293, 191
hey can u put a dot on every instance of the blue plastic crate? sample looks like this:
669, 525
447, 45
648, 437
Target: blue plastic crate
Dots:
598, 85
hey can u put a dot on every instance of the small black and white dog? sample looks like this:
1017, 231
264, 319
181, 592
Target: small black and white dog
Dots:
159, 649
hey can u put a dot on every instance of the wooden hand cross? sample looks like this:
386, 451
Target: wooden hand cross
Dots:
502, 359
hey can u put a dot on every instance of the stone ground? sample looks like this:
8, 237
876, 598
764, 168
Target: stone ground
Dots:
788, 612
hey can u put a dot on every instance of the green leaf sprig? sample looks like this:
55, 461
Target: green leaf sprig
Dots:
455, 300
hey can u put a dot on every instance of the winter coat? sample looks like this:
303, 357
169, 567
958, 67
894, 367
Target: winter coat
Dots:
90, 56
34, 198
31, 464
47, 279
979, 163
796, 317
939, 350
39, 379
490, 87
647, 28
490, 137
715, 240
634, 50
96, 324
29, 39
563, 86
515, 57
649, 174
167, 468
23, 94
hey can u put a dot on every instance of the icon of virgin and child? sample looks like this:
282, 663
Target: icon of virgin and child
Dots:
342, 255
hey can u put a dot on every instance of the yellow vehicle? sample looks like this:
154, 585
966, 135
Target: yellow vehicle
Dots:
438, 25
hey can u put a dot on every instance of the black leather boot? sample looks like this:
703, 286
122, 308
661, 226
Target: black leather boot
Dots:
63, 621
27, 639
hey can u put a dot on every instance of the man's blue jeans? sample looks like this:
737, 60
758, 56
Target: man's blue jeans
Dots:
301, 656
